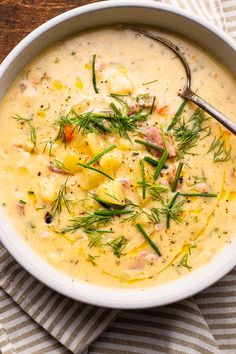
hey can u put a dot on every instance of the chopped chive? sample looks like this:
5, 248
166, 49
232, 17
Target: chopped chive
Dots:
210, 195
152, 106
150, 145
177, 176
143, 179
177, 115
149, 82
168, 215
148, 239
100, 154
94, 169
112, 212
150, 160
160, 164
94, 75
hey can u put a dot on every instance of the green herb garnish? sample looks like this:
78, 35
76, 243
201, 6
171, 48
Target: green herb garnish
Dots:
91, 259
150, 145
161, 164
22, 120
150, 82
148, 239
112, 213
184, 262
177, 115
150, 160
60, 200
209, 195
188, 133
94, 79
94, 159
87, 222
118, 246
143, 183
100, 154
221, 152
177, 176
172, 210
58, 164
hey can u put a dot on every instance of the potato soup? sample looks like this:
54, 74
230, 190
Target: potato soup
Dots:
106, 171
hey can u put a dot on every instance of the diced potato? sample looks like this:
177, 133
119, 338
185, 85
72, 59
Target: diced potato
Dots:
120, 84
81, 106
111, 192
48, 189
126, 145
71, 159
111, 161
95, 142
90, 179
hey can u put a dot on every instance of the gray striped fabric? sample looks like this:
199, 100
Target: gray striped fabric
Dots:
35, 319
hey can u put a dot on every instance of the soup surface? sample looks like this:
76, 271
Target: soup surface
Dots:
106, 172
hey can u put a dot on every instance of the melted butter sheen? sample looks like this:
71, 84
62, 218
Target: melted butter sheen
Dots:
136, 69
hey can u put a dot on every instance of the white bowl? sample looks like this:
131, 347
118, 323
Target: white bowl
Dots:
104, 13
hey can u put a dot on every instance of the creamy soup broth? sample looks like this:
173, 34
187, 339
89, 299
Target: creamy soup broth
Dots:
78, 178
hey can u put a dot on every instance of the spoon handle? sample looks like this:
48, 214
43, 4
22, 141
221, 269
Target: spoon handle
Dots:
220, 117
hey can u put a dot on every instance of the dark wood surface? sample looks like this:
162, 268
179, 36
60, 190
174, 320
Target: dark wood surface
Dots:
20, 17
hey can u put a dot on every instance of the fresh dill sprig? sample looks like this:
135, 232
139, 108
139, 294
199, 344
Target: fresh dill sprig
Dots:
171, 209
95, 237
177, 115
199, 179
221, 152
187, 133
91, 259
94, 79
177, 177
112, 213
58, 164
116, 120
154, 189
184, 262
118, 245
94, 221
87, 222
33, 135
61, 199
148, 239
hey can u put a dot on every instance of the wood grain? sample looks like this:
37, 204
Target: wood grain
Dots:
20, 17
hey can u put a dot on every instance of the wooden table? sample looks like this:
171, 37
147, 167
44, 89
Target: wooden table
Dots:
19, 17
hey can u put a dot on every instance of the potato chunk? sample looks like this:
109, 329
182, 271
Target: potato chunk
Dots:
95, 143
111, 161
120, 84
71, 159
111, 192
48, 189
90, 179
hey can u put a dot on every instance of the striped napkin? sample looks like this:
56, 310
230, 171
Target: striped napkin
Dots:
35, 319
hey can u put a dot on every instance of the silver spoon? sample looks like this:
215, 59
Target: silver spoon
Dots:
187, 92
